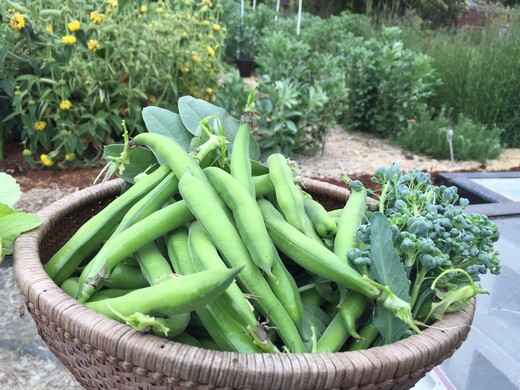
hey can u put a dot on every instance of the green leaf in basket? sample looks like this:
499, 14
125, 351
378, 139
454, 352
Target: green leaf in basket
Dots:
387, 269
167, 123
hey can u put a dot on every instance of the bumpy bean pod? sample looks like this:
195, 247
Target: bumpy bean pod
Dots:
309, 254
349, 222
93, 232
204, 255
179, 295
150, 203
128, 242
227, 330
226, 238
285, 288
323, 223
240, 165
247, 215
289, 196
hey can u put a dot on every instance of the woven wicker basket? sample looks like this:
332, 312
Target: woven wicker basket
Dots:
104, 354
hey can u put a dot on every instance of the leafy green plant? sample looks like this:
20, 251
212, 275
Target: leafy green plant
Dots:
12, 222
471, 140
244, 34
388, 83
71, 74
301, 96
479, 70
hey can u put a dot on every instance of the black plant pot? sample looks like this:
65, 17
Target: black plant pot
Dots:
245, 66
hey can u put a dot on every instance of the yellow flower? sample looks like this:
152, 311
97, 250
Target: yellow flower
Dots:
195, 58
49, 28
17, 21
93, 45
205, 22
69, 156
184, 34
150, 26
152, 99
209, 91
211, 52
46, 160
96, 17
113, 3
186, 69
39, 126
65, 105
109, 10
207, 2
216, 27
68, 39
74, 25
143, 9
159, 10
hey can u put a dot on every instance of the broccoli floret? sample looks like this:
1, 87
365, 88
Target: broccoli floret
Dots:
435, 234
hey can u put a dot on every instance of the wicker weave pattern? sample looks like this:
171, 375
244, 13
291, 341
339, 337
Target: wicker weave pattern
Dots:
104, 354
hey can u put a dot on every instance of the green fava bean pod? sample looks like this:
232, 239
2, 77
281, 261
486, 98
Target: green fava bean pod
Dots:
285, 288
240, 165
178, 295
351, 310
128, 242
124, 276
311, 255
334, 336
263, 185
156, 269
247, 215
227, 331
150, 203
343, 325
349, 222
289, 196
93, 232
323, 223
368, 333
153, 264
204, 255
226, 238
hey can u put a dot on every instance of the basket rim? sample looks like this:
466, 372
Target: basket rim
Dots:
173, 359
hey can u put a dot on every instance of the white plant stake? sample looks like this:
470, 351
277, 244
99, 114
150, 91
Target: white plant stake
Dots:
277, 10
299, 17
449, 136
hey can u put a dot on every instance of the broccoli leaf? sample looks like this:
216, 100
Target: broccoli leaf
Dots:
387, 269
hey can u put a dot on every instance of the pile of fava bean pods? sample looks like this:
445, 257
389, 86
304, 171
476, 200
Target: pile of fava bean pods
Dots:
224, 259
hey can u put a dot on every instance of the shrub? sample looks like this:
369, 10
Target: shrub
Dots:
71, 75
303, 92
471, 140
388, 83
